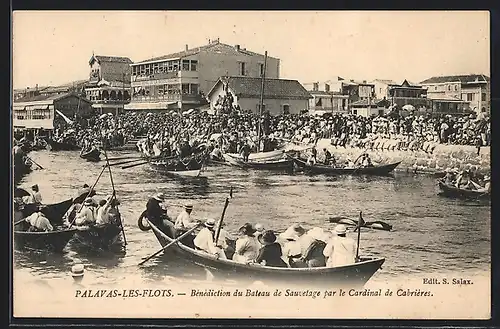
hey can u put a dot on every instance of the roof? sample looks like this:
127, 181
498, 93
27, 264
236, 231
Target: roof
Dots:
110, 59
469, 78
247, 87
213, 46
386, 81
47, 98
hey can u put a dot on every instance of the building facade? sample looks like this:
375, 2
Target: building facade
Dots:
181, 80
475, 89
327, 97
280, 96
408, 94
42, 112
108, 86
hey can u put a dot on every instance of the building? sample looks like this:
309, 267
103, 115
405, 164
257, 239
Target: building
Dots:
327, 97
473, 88
357, 91
370, 107
43, 111
74, 86
108, 87
181, 80
381, 87
280, 96
408, 94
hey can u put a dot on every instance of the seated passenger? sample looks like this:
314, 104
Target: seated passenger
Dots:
259, 230
205, 240
340, 250
247, 246
291, 245
313, 255
39, 223
86, 214
270, 254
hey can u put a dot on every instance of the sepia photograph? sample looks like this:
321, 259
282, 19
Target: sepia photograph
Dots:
251, 164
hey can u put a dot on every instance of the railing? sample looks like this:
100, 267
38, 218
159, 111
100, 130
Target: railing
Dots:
110, 101
192, 98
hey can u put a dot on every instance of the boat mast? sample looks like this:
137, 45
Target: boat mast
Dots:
261, 105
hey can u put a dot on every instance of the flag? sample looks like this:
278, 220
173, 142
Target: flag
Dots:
68, 121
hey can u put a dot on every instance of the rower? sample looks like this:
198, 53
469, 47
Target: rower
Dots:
183, 223
340, 250
39, 223
154, 210
366, 161
37, 196
205, 240
487, 185
86, 214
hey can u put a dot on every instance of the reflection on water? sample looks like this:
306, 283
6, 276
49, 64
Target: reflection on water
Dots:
430, 233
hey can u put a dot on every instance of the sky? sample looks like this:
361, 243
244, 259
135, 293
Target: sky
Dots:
53, 48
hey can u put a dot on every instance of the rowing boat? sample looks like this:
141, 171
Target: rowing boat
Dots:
282, 164
53, 241
261, 156
54, 211
53, 145
460, 193
94, 155
98, 236
383, 170
355, 275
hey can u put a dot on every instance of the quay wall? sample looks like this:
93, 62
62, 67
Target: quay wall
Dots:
442, 157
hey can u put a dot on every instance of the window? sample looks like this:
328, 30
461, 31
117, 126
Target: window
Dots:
148, 69
134, 70
470, 97
241, 68
194, 65
185, 65
483, 97
194, 89
449, 87
327, 87
456, 87
155, 68
355, 112
170, 66
318, 102
435, 88
176, 66
185, 88
142, 69
315, 86
261, 69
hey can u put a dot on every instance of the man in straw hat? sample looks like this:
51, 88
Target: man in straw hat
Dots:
86, 214
184, 222
205, 240
340, 250
154, 210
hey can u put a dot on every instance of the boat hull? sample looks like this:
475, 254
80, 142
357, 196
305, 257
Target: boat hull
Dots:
355, 275
458, 193
92, 156
283, 164
327, 170
98, 237
54, 212
52, 145
51, 241
261, 156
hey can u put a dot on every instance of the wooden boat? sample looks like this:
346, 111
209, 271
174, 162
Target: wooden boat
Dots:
52, 241
94, 155
460, 193
98, 236
282, 164
261, 156
324, 169
175, 167
355, 275
53, 145
54, 211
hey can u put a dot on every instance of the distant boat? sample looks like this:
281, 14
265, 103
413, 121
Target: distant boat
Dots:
460, 193
328, 170
281, 164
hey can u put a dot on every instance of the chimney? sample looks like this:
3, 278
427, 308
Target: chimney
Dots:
237, 47
364, 81
187, 48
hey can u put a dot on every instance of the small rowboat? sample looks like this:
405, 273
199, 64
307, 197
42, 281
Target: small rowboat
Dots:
53, 145
328, 170
54, 211
176, 168
98, 236
261, 156
94, 155
282, 164
355, 275
460, 193
52, 241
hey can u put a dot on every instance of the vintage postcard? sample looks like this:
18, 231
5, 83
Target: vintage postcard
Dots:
203, 164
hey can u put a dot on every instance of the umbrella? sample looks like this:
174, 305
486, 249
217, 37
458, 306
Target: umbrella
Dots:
409, 107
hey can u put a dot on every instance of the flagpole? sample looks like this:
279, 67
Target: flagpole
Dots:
259, 127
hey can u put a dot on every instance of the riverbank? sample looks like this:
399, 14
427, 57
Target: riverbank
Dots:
443, 156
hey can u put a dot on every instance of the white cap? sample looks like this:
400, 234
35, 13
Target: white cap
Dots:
340, 229
77, 270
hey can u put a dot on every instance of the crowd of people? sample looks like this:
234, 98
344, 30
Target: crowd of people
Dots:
466, 179
392, 131
296, 247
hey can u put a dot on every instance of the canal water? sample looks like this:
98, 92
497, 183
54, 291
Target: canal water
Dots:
430, 235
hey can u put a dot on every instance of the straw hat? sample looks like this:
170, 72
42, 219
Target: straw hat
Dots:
88, 202
318, 233
188, 206
340, 229
210, 223
247, 229
259, 227
77, 270
159, 197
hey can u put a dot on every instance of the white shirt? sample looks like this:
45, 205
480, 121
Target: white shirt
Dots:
184, 222
85, 216
340, 251
39, 221
37, 197
102, 216
223, 237
205, 241
247, 249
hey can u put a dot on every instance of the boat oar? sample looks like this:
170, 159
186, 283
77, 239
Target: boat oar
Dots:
135, 165
27, 157
124, 162
171, 243
125, 158
219, 227
114, 194
360, 223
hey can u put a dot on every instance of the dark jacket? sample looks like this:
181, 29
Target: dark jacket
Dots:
153, 211
271, 253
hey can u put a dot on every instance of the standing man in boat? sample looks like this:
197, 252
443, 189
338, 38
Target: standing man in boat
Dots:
37, 196
205, 240
328, 156
340, 250
245, 151
154, 211
184, 223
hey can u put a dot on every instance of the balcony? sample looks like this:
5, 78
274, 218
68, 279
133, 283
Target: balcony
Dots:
110, 101
185, 98
155, 76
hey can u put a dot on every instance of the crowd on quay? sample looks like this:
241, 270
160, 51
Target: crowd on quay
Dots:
392, 131
296, 247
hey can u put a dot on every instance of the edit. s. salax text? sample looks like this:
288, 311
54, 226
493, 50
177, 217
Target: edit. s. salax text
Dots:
123, 293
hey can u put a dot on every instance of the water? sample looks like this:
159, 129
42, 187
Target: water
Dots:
430, 234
